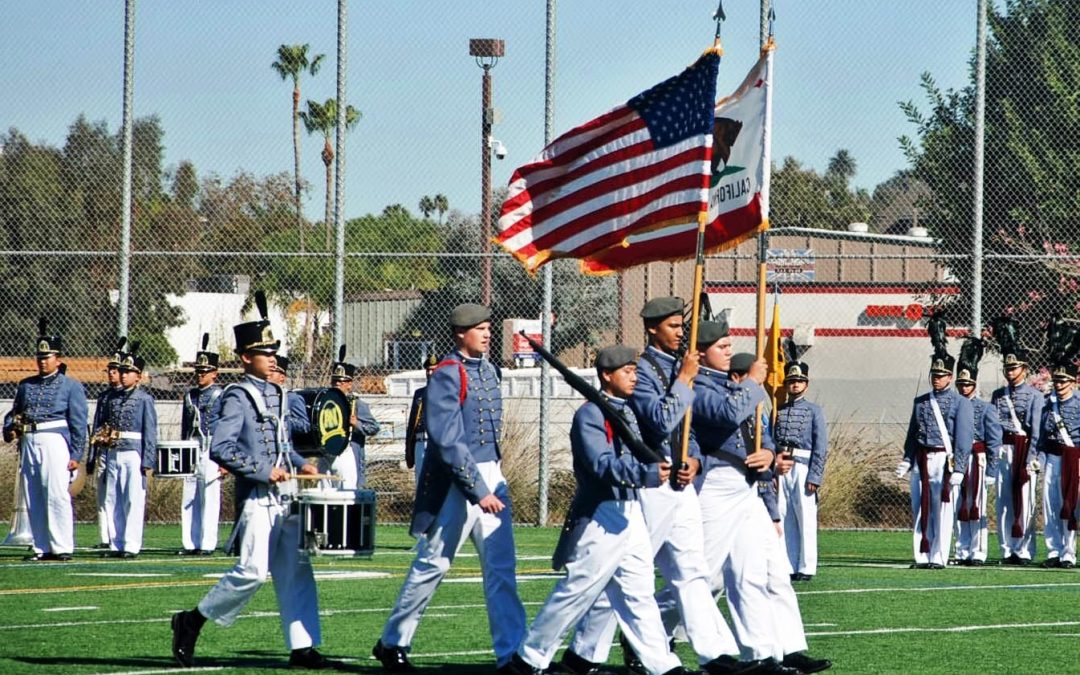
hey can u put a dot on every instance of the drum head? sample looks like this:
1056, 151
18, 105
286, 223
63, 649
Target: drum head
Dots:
330, 412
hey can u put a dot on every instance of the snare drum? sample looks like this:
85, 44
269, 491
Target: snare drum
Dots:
337, 522
176, 459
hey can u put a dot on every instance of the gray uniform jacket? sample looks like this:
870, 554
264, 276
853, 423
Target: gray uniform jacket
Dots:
53, 398
132, 410
800, 424
1028, 402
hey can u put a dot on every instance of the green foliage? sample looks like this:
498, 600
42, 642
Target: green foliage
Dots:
1032, 164
801, 197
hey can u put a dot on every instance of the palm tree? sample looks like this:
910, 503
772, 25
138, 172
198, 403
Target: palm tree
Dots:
323, 119
292, 62
442, 205
427, 206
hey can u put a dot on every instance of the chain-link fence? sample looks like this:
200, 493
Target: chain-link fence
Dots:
861, 136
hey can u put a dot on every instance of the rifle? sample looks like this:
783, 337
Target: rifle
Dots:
641, 452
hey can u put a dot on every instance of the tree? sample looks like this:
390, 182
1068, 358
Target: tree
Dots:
801, 198
323, 119
292, 62
441, 204
1032, 167
426, 206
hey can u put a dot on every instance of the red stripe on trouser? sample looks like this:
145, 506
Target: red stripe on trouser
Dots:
972, 487
1019, 480
924, 500
1070, 484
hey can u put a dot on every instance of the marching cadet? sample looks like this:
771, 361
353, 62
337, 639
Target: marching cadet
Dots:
605, 545
350, 464
251, 441
201, 498
297, 416
937, 447
1059, 455
100, 451
801, 434
742, 549
971, 517
415, 431
1019, 406
49, 418
132, 455
462, 493
672, 513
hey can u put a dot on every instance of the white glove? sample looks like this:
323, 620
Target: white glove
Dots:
956, 479
902, 468
1033, 466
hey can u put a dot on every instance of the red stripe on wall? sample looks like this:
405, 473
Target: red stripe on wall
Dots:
854, 289
857, 332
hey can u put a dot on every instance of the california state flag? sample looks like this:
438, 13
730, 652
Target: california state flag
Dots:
739, 188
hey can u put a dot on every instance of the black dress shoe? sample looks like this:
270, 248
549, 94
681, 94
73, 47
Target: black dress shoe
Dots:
630, 658
804, 664
204, 552
518, 666
935, 566
1011, 560
919, 566
679, 670
127, 555
188, 551
723, 665
769, 666
39, 557
572, 663
393, 659
975, 562
102, 545
1051, 563
184, 636
310, 659
62, 557
1067, 564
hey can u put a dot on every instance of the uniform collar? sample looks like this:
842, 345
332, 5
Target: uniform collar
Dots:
613, 399
712, 372
661, 353
471, 360
51, 375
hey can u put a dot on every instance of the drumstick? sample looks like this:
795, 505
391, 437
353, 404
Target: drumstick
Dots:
315, 476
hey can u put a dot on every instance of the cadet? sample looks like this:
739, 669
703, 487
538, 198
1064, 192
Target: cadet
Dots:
415, 431
971, 517
99, 449
801, 434
1059, 455
462, 493
251, 441
937, 446
132, 455
350, 464
201, 498
672, 513
605, 545
1019, 406
297, 415
49, 418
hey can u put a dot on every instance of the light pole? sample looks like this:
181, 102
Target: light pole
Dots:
487, 52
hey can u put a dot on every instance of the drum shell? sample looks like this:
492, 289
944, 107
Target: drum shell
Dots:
337, 522
327, 410
176, 459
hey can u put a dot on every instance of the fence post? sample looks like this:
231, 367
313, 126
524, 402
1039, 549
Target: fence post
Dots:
125, 208
545, 311
977, 193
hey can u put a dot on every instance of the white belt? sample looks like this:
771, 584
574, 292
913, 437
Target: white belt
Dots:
54, 424
801, 453
130, 435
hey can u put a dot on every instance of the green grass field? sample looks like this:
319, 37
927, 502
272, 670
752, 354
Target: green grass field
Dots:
865, 610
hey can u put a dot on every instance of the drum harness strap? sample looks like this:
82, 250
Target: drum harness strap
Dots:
286, 489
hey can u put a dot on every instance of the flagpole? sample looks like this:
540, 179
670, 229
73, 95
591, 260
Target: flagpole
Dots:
763, 238
678, 459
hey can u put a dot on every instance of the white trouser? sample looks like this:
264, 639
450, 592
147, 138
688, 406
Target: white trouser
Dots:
747, 561
613, 557
345, 466
940, 521
46, 479
674, 521
1060, 541
361, 467
269, 543
101, 483
125, 497
1023, 546
200, 505
20, 534
798, 516
493, 537
972, 535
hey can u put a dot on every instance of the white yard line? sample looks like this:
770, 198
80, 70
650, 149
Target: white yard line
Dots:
944, 629
933, 589
69, 609
177, 669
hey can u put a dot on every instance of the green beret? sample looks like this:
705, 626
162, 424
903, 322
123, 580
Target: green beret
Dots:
661, 308
468, 315
741, 362
709, 332
615, 357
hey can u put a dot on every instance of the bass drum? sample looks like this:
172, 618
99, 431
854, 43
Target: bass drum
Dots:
328, 413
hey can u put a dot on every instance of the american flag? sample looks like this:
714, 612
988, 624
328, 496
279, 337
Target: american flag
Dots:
641, 166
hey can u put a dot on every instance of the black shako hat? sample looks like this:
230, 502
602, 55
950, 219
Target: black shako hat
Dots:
256, 336
709, 332
281, 362
615, 357
130, 360
661, 308
967, 365
942, 364
796, 371
47, 344
339, 370
205, 361
117, 353
469, 314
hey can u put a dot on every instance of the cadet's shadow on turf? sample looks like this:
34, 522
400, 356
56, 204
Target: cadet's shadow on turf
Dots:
275, 661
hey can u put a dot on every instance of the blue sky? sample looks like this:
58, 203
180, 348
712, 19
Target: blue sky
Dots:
204, 68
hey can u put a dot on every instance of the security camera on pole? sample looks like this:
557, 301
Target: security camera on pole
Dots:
487, 52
